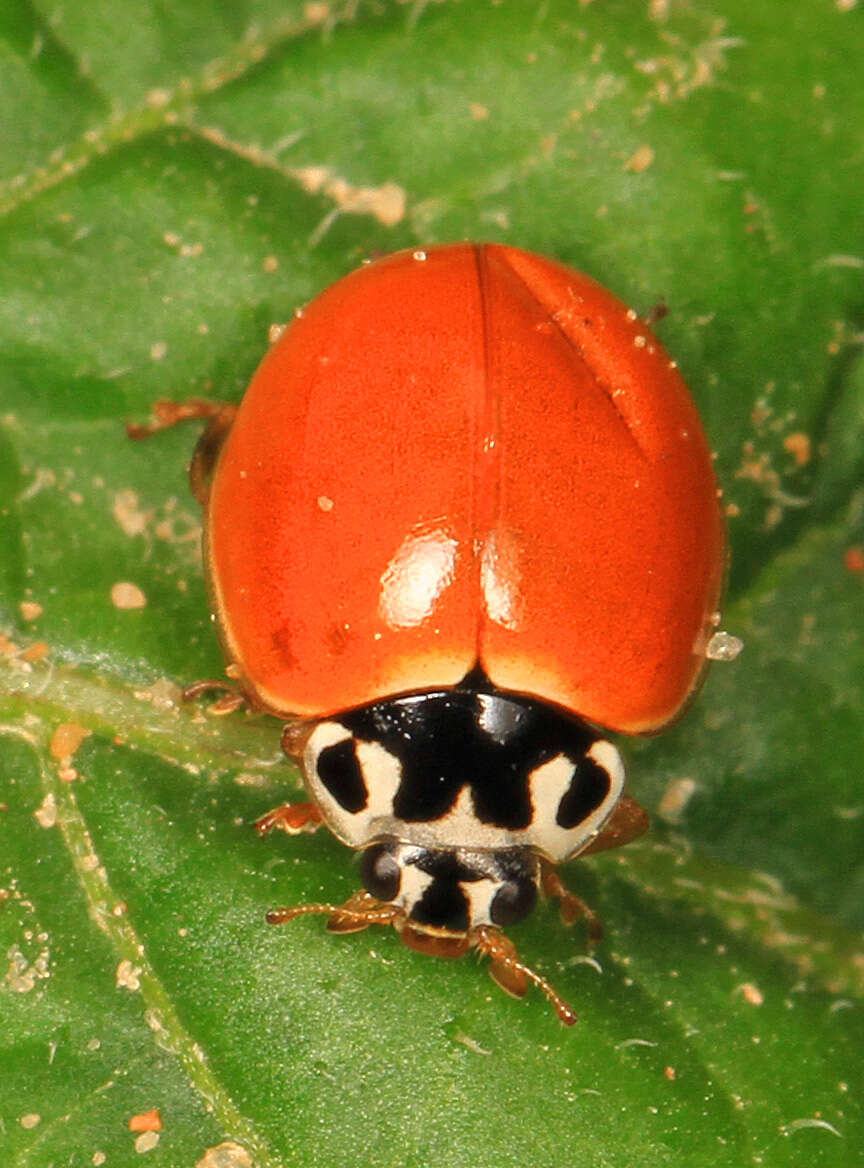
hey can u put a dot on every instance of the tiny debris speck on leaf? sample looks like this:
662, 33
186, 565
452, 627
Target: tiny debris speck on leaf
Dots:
750, 993
225, 1155
46, 813
640, 159
146, 1142
66, 739
127, 976
127, 595
146, 1121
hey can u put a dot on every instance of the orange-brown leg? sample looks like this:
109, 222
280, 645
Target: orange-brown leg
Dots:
291, 818
359, 912
571, 907
507, 971
232, 698
168, 413
627, 822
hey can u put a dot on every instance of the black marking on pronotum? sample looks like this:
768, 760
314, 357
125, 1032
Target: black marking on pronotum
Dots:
442, 905
485, 741
444, 900
588, 788
342, 775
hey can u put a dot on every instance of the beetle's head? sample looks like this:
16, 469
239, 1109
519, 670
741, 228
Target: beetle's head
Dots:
445, 894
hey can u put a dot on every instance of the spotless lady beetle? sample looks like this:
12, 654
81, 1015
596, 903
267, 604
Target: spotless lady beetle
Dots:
464, 522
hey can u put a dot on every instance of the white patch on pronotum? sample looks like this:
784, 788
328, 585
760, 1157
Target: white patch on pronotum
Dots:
413, 884
381, 773
480, 894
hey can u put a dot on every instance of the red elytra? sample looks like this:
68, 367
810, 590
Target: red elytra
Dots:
467, 455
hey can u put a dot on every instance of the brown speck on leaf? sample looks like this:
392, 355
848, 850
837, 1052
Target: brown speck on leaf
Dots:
66, 739
29, 1121
35, 652
757, 468
641, 158
127, 595
798, 445
30, 610
146, 1121
853, 560
479, 112
8, 648
750, 993
669, 1072
316, 13
270, 264
158, 350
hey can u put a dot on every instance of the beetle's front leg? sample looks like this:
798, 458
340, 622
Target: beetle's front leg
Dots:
220, 417
292, 818
232, 697
571, 906
359, 912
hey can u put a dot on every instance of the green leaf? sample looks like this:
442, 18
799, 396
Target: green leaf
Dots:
173, 180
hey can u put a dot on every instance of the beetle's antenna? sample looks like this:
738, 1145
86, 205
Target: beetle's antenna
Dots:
359, 912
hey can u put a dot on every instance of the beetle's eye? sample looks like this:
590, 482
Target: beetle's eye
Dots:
513, 901
380, 873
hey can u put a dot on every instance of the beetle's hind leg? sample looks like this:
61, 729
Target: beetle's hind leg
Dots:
168, 413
